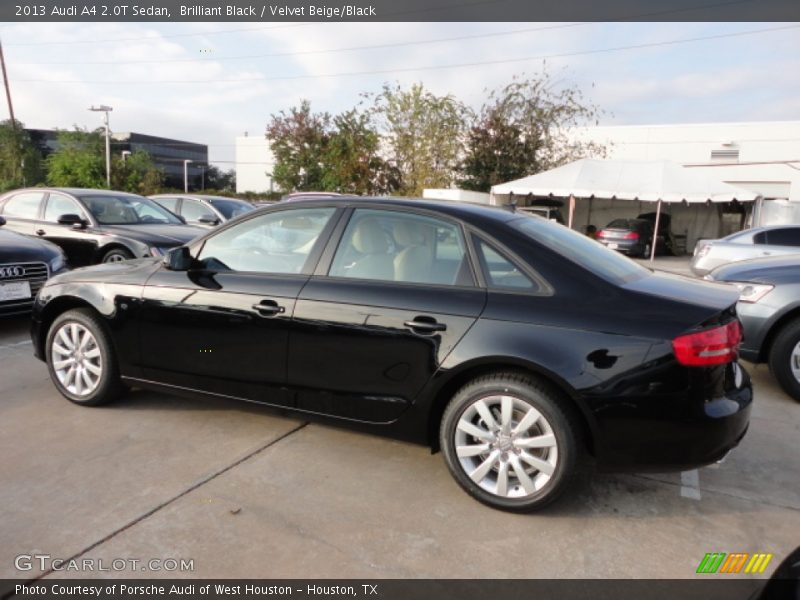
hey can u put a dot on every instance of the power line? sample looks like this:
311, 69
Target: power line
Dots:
426, 68
308, 52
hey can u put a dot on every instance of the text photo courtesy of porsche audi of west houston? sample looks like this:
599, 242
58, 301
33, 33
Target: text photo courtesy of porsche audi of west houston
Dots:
400, 299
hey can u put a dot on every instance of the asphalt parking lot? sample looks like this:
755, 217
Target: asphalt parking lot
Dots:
244, 493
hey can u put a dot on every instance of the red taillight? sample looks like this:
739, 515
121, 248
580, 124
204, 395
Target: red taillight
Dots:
632, 236
601, 233
709, 347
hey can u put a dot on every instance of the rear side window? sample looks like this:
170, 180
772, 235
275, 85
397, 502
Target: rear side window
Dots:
500, 272
760, 238
24, 206
386, 245
788, 236
581, 250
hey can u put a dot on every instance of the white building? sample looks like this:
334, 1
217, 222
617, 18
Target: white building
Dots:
763, 157
254, 164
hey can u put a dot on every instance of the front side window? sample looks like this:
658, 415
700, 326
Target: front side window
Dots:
170, 204
24, 206
58, 205
386, 245
231, 208
127, 210
277, 242
192, 210
501, 273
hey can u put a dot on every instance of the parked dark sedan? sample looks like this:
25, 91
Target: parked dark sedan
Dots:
769, 307
25, 264
633, 237
513, 344
94, 226
202, 210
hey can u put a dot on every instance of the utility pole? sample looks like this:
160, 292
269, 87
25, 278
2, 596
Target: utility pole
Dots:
8, 89
106, 109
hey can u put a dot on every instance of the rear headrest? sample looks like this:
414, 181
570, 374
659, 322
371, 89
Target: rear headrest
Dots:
369, 237
407, 233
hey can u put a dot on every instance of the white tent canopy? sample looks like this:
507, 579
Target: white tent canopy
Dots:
647, 181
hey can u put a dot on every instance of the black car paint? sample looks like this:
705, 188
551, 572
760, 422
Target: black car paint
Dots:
347, 352
87, 244
17, 249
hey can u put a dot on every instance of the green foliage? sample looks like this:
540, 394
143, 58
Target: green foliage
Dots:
522, 130
20, 160
317, 152
79, 160
219, 180
424, 133
136, 174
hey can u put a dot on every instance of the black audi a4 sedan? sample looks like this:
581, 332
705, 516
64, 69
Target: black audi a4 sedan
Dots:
513, 344
25, 264
95, 226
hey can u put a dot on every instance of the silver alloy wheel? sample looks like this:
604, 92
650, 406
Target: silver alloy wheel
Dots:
794, 362
116, 257
506, 446
76, 359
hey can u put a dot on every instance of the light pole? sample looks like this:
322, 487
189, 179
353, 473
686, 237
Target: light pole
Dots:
186, 163
106, 109
125, 155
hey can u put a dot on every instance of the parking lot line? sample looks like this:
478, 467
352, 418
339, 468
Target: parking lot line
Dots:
690, 484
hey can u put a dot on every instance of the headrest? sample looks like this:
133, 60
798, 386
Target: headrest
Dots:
369, 237
408, 233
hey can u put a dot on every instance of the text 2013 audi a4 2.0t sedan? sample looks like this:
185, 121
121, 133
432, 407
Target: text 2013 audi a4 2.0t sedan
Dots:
515, 345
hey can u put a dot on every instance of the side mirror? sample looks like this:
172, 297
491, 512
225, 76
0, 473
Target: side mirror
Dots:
74, 221
178, 259
208, 220
2, 221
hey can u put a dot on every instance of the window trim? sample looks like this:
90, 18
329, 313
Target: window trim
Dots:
326, 261
311, 260
544, 289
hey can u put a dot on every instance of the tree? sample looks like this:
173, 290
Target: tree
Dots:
20, 160
217, 179
79, 160
424, 133
298, 141
351, 159
136, 174
523, 129
318, 152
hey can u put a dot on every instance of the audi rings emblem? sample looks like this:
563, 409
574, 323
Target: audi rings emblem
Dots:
9, 272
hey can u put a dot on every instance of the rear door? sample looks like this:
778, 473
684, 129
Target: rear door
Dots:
79, 247
21, 211
386, 305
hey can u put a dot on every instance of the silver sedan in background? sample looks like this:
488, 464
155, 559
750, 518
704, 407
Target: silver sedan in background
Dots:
758, 242
769, 309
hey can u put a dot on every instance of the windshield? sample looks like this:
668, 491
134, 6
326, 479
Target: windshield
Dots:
231, 208
127, 210
578, 248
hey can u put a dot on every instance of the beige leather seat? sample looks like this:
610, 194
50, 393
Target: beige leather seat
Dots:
369, 240
415, 261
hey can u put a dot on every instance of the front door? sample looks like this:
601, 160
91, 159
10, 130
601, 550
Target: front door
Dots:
223, 326
373, 328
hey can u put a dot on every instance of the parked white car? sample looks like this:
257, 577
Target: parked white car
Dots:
743, 245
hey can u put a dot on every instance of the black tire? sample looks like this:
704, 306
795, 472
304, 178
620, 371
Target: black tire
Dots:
561, 422
780, 358
646, 251
117, 255
109, 386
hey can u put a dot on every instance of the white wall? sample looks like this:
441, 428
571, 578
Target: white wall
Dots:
762, 147
254, 164
457, 195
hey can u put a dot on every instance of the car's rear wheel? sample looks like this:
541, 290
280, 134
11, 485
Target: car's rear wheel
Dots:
784, 358
117, 255
80, 359
510, 441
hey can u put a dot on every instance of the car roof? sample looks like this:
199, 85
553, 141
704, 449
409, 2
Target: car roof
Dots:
74, 191
463, 210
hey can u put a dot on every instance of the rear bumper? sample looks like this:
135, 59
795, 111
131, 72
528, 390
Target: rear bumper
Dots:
624, 246
698, 422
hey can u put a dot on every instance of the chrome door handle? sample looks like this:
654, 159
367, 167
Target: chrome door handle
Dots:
41, 232
268, 308
425, 325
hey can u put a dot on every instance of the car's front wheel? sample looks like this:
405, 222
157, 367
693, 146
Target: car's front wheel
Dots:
510, 442
784, 358
80, 359
117, 255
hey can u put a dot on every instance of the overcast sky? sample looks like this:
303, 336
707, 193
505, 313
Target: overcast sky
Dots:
207, 82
